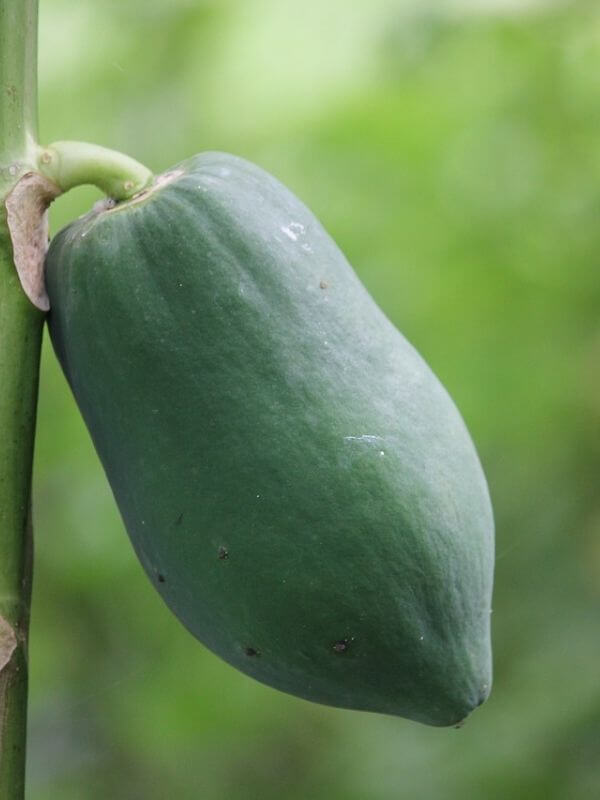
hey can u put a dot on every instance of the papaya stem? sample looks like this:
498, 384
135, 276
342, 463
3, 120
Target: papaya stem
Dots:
18, 77
20, 338
70, 164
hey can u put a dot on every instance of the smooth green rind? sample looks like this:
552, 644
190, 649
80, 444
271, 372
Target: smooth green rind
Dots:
295, 480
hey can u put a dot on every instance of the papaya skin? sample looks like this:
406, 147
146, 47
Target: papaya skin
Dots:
296, 482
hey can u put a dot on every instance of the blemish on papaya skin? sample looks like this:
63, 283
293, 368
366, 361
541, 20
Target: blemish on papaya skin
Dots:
341, 645
366, 438
161, 578
323, 285
251, 651
293, 230
223, 553
179, 519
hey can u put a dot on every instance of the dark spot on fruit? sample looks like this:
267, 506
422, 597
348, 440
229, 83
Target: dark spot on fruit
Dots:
223, 553
324, 285
179, 519
341, 645
251, 651
161, 577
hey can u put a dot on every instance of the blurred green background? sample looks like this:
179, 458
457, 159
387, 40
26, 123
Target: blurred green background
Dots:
453, 151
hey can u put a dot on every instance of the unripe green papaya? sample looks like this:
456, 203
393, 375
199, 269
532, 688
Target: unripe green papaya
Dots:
295, 480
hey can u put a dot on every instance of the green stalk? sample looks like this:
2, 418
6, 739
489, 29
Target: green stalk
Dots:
18, 78
20, 339
70, 164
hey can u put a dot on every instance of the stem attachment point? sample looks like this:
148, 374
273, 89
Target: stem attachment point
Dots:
27, 219
69, 164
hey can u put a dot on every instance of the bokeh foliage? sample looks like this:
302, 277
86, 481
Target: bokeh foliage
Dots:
453, 151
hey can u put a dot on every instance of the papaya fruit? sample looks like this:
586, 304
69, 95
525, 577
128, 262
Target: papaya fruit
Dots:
296, 482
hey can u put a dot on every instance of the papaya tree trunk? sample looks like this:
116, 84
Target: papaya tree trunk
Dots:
20, 339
